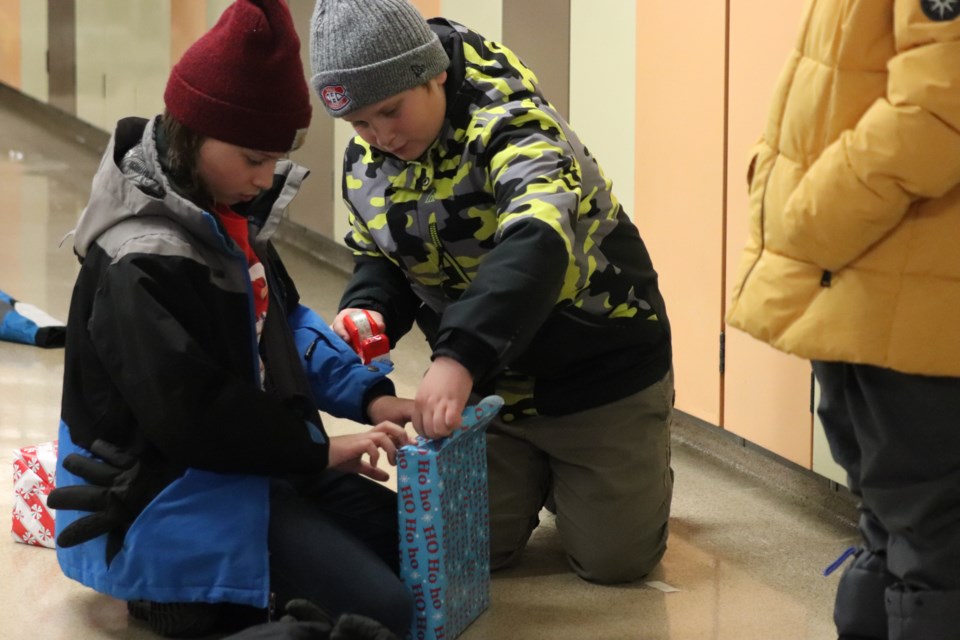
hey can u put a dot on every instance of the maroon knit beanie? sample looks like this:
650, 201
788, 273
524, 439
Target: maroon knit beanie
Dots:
243, 82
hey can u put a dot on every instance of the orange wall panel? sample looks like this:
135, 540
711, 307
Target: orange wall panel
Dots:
427, 8
766, 392
679, 186
10, 42
188, 21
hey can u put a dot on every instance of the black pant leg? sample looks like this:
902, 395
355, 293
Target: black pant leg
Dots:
859, 610
906, 466
333, 540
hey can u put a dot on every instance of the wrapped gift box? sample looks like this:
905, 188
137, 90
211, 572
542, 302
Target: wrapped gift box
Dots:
444, 525
34, 470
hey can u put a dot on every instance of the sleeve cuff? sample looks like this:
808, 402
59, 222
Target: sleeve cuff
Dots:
478, 357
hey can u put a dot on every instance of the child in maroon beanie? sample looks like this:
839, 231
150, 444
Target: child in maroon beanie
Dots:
195, 480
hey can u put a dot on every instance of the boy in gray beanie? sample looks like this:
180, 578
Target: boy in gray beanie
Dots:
477, 212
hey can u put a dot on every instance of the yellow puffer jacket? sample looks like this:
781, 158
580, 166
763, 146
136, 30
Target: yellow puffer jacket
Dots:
854, 248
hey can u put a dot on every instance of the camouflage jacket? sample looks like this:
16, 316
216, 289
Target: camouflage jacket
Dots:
505, 243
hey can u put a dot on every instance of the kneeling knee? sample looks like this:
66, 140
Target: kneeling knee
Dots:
615, 568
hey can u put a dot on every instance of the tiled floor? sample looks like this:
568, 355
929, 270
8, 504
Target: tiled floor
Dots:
749, 539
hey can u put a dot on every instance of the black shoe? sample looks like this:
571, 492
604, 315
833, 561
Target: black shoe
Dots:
176, 619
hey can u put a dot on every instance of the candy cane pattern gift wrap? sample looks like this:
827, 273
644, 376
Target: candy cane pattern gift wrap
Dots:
444, 525
34, 469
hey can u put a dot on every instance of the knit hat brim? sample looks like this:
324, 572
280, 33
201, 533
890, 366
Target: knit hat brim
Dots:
251, 128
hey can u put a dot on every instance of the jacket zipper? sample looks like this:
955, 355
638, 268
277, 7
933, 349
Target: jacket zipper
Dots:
231, 248
444, 257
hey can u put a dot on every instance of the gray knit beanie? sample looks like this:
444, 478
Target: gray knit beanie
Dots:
363, 51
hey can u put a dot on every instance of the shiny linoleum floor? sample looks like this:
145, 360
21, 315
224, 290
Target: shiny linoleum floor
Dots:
749, 538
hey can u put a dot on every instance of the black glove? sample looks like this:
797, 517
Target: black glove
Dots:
117, 493
351, 626
304, 620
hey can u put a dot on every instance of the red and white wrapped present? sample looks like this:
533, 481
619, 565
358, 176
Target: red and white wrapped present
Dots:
34, 470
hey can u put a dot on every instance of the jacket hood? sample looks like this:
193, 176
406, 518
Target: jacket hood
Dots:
130, 182
482, 73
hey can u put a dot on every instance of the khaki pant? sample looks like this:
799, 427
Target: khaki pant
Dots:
608, 470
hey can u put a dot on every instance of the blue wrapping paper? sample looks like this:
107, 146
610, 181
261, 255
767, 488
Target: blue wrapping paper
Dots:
444, 525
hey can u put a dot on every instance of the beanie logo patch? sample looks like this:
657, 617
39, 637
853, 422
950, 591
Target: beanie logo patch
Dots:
335, 97
418, 69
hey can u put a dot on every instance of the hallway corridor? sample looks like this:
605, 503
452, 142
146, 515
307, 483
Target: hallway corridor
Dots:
749, 537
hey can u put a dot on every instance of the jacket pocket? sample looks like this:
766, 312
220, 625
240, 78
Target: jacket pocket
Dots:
759, 173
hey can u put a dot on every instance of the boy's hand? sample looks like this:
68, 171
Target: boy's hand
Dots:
346, 452
340, 330
390, 409
441, 397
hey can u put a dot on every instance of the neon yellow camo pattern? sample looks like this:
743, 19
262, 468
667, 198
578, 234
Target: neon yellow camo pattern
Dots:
512, 157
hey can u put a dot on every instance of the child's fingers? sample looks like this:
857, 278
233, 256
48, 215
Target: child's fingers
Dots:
373, 453
373, 472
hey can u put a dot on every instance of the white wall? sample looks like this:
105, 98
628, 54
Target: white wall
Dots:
603, 72
33, 53
123, 59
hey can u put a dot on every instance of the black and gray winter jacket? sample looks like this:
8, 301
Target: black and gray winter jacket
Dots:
163, 361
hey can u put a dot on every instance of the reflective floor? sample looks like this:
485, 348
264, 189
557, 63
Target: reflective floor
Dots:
749, 538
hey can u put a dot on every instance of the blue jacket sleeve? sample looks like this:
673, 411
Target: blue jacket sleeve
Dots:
342, 385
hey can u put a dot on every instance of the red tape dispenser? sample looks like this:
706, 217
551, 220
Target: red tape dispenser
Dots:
367, 337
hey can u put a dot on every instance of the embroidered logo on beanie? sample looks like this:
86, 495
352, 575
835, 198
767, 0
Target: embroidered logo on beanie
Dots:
335, 97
